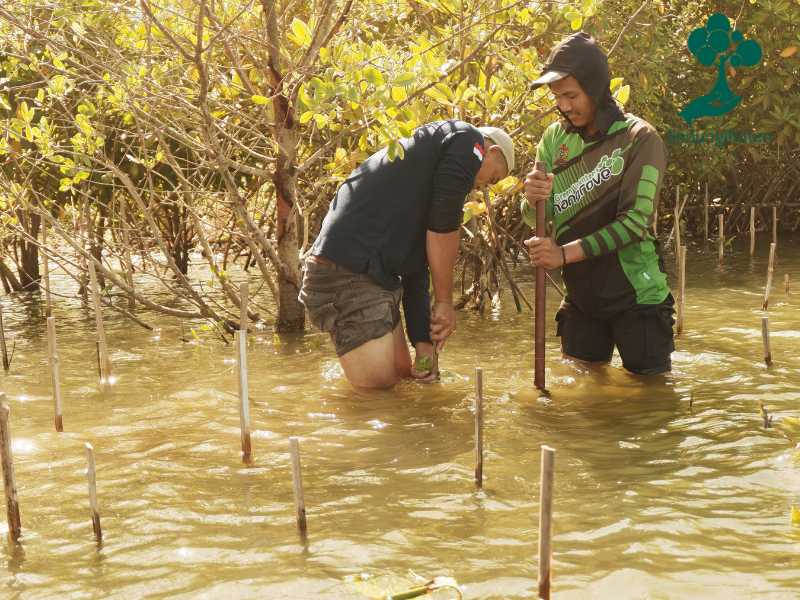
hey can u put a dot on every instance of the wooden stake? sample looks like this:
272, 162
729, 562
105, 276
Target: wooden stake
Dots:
3, 348
297, 482
9, 479
244, 299
775, 225
765, 339
705, 214
55, 368
786, 283
721, 232
540, 302
102, 346
244, 399
770, 270
479, 427
677, 225
546, 520
92, 478
681, 286
752, 230
46, 274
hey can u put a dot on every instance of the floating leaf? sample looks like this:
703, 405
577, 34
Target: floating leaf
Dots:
788, 52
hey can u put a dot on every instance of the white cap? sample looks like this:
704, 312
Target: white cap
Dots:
500, 138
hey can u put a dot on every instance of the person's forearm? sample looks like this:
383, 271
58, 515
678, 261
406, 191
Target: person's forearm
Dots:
442, 250
574, 252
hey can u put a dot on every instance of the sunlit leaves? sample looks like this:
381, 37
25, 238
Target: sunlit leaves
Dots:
300, 34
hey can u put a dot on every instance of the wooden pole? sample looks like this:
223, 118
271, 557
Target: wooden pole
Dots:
705, 214
546, 520
46, 275
55, 368
297, 482
92, 478
3, 347
770, 271
677, 226
9, 479
479, 427
681, 287
775, 225
102, 346
786, 283
244, 299
540, 301
765, 339
721, 232
240, 338
752, 230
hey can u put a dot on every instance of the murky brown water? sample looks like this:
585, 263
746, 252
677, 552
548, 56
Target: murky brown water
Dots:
654, 498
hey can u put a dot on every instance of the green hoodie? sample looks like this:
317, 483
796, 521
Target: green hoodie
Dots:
604, 193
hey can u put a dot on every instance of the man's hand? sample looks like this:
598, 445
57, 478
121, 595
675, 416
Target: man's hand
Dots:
538, 185
443, 322
544, 252
423, 369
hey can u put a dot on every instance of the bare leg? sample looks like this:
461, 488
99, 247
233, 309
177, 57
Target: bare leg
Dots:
379, 363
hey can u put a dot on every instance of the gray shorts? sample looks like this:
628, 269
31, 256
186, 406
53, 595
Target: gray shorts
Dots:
349, 306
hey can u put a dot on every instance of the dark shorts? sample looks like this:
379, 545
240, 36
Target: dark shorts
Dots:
349, 306
643, 336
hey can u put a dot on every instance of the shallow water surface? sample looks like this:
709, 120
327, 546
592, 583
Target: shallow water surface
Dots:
656, 495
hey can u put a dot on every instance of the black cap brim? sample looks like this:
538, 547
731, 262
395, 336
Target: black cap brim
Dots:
549, 77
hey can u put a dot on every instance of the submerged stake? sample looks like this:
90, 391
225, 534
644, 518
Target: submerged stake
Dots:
546, 520
479, 427
297, 482
91, 476
240, 337
55, 369
9, 479
721, 231
765, 339
102, 345
770, 270
752, 230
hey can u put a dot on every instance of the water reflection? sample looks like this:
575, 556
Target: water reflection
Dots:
666, 486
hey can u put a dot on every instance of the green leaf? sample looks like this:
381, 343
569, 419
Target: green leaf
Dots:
261, 100
576, 23
616, 82
301, 33
306, 117
623, 94
399, 93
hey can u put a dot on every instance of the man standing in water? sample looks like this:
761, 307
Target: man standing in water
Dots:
600, 173
388, 223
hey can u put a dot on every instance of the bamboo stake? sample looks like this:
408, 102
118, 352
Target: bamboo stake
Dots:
775, 225
770, 270
240, 339
540, 301
705, 214
546, 520
102, 345
721, 232
765, 339
92, 478
752, 230
9, 479
46, 275
126, 251
244, 299
55, 368
297, 482
786, 283
479, 427
681, 287
3, 347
